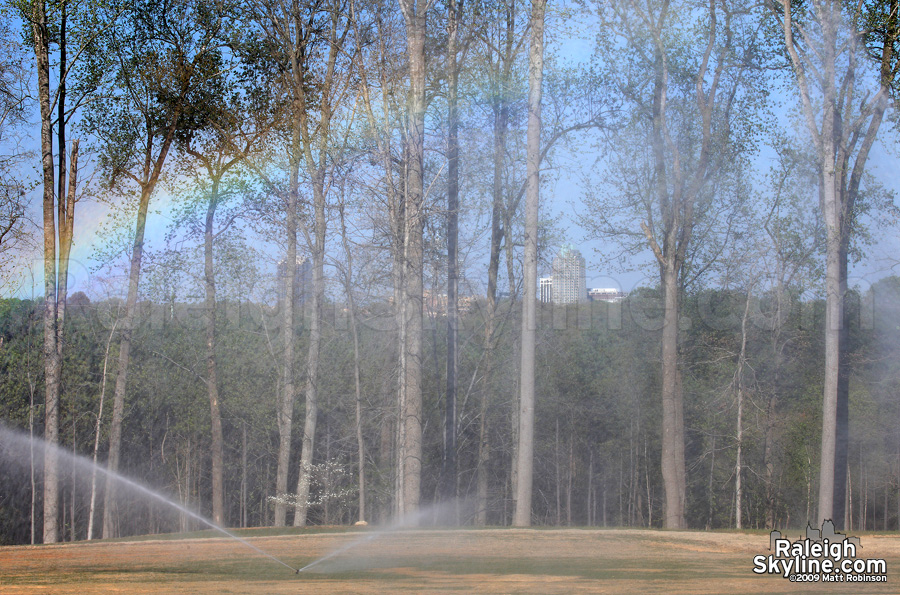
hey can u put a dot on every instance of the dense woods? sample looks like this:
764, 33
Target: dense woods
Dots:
340, 320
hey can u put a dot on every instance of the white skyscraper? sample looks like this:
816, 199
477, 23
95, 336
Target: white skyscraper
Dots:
546, 289
568, 277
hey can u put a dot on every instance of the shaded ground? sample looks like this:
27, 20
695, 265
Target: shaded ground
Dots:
422, 561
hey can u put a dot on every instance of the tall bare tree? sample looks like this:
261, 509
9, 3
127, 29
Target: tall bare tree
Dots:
378, 67
409, 445
668, 181
525, 450
449, 463
166, 55
346, 274
843, 111
500, 50
234, 136
59, 187
312, 37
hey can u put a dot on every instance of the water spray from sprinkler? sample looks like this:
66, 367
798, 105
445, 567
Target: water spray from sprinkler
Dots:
17, 437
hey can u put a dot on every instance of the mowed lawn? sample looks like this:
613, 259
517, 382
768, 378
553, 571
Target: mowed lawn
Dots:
423, 561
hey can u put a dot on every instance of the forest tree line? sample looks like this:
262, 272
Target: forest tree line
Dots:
597, 430
298, 348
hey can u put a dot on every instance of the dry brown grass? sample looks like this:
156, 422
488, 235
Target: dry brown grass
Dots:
424, 561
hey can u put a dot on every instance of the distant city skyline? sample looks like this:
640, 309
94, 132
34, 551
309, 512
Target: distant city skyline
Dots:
569, 286
567, 283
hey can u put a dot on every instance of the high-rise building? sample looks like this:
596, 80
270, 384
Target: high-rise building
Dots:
303, 282
568, 277
546, 289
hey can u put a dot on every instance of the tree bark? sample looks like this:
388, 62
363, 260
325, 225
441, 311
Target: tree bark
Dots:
41, 36
525, 457
97, 426
354, 331
449, 465
739, 430
312, 362
410, 446
212, 385
835, 140
285, 412
152, 170
55, 274
500, 128
672, 431
316, 148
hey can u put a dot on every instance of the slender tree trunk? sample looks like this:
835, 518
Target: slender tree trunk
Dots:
410, 448
54, 376
392, 431
570, 478
289, 299
244, 512
115, 428
33, 482
317, 169
672, 437
212, 384
525, 462
835, 135
591, 497
51, 361
842, 413
739, 433
97, 426
312, 362
360, 441
152, 171
558, 479
501, 125
484, 454
834, 308
769, 444
449, 465
711, 495
354, 331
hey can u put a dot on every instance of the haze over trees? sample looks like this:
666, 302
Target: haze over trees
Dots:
359, 198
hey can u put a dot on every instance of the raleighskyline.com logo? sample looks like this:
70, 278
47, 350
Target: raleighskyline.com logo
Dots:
822, 556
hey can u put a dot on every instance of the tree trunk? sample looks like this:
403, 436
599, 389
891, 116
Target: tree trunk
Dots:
672, 435
360, 441
558, 479
842, 413
834, 309
354, 331
51, 361
212, 384
312, 361
97, 426
410, 447
835, 140
449, 465
525, 456
739, 433
286, 405
31, 460
244, 512
152, 171
570, 478
501, 125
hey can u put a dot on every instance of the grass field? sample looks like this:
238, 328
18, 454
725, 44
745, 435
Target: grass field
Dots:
423, 561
